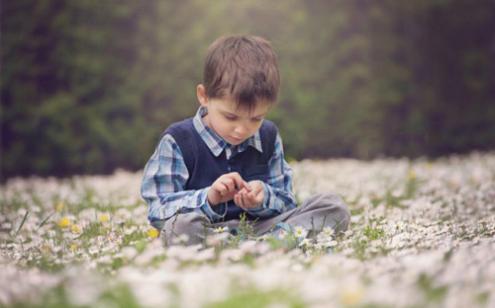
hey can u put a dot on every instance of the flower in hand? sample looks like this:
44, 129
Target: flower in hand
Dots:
226, 187
251, 197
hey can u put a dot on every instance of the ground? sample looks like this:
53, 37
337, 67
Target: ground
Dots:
421, 234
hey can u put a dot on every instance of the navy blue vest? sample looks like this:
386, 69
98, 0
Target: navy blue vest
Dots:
204, 168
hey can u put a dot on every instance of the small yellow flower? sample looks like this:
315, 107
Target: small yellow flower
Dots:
153, 233
64, 222
221, 229
73, 247
59, 207
75, 229
103, 218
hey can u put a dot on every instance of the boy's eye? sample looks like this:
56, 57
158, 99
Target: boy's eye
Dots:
230, 117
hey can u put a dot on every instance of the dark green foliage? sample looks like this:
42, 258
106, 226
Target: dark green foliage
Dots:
88, 86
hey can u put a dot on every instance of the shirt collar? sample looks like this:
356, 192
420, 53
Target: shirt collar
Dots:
217, 144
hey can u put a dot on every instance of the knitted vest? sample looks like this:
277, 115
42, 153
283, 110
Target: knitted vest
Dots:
204, 168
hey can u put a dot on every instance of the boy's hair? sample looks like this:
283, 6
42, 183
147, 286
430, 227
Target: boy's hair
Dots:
242, 68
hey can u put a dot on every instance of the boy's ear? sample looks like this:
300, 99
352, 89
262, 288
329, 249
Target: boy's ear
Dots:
201, 94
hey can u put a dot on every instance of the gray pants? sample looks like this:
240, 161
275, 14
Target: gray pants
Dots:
317, 212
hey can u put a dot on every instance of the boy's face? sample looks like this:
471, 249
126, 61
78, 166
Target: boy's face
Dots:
234, 124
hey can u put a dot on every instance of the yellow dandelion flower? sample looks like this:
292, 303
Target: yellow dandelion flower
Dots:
153, 233
59, 207
73, 247
75, 229
221, 229
64, 222
103, 218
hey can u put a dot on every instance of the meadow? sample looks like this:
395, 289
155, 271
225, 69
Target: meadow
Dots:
422, 234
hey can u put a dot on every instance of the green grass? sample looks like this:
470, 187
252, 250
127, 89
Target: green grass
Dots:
373, 233
258, 299
431, 292
116, 296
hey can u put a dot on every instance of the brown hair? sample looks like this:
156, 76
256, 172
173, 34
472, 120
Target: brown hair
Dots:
242, 68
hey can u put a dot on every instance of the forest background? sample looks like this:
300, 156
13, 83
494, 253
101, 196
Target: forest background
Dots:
88, 86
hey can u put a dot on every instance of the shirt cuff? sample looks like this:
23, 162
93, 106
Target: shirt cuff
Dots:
212, 214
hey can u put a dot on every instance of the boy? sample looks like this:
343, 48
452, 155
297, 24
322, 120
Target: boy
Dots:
227, 160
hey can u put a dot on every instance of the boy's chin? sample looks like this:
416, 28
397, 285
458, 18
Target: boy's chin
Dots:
234, 141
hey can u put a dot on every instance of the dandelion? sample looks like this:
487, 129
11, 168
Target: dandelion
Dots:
153, 233
300, 232
64, 222
103, 218
75, 229
73, 247
221, 229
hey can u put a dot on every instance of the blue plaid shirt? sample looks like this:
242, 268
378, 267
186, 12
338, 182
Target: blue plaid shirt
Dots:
165, 176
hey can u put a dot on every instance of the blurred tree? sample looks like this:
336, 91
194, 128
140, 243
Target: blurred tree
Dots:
88, 86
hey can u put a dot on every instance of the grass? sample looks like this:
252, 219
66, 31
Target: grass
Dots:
431, 292
118, 295
254, 298
110, 239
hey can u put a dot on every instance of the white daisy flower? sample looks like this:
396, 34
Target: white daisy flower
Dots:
300, 232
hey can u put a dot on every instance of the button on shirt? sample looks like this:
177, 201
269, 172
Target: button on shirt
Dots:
166, 174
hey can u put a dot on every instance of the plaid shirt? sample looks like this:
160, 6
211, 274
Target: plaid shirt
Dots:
165, 176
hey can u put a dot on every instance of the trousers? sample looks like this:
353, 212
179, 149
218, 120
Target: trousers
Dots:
314, 214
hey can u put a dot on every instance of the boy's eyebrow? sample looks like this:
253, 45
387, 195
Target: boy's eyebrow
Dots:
228, 113
261, 115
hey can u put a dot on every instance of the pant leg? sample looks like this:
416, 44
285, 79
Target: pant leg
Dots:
196, 225
315, 213
320, 211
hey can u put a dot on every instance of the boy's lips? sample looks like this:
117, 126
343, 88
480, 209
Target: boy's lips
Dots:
236, 139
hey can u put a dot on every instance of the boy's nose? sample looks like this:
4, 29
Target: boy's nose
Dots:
240, 130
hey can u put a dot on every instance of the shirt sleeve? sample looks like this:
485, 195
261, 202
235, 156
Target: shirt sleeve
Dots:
278, 194
165, 176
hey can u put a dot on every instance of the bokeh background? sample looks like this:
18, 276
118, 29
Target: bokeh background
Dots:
88, 86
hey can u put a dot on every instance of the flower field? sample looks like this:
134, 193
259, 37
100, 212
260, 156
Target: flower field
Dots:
422, 233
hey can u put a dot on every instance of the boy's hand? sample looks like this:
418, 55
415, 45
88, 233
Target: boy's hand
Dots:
225, 187
248, 199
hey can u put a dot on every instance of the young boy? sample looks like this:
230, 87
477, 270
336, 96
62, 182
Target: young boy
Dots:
228, 160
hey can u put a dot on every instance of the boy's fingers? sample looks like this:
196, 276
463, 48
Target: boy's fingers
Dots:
239, 182
241, 201
229, 183
256, 197
252, 200
248, 187
256, 191
223, 189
